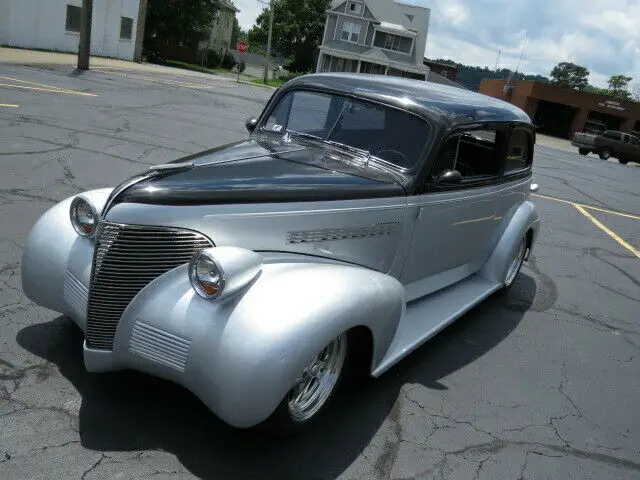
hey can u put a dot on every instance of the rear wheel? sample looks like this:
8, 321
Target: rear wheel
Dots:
310, 395
583, 151
514, 266
605, 153
623, 162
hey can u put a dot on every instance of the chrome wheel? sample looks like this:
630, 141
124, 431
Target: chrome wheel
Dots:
516, 263
318, 381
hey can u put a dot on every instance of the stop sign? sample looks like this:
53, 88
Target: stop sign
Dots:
242, 47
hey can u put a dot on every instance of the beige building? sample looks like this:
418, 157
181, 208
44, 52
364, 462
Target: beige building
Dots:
222, 28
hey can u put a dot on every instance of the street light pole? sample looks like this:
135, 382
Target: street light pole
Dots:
84, 46
268, 59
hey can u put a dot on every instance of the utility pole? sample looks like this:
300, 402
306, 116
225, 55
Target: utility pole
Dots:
84, 47
267, 64
497, 61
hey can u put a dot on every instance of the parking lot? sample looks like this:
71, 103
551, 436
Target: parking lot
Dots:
543, 383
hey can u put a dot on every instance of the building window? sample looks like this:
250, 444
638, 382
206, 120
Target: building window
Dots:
73, 18
395, 43
355, 8
126, 28
350, 32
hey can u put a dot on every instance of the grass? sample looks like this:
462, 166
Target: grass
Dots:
272, 83
190, 66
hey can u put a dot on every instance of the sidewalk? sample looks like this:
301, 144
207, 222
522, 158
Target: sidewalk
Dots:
554, 142
18, 56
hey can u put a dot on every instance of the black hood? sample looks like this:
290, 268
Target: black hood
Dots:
263, 170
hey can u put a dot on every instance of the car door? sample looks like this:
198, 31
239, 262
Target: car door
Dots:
634, 154
455, 224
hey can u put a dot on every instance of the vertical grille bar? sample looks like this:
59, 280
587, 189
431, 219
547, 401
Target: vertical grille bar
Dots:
126, 259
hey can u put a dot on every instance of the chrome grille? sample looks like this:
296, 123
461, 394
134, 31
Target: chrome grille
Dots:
126, 259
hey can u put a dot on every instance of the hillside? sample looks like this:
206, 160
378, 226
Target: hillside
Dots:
471, 76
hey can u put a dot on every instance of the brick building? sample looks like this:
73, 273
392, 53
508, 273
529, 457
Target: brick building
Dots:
562, 111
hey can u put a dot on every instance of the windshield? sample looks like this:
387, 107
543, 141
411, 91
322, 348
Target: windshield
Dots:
392, 135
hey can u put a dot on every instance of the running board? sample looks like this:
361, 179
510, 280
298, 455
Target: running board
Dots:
425, 317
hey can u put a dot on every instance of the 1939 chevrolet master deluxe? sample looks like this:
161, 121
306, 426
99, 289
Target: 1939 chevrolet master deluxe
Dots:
364, 214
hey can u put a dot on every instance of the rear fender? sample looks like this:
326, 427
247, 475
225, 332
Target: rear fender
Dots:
524, 219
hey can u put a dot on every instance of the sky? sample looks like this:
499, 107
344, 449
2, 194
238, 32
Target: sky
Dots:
602, 35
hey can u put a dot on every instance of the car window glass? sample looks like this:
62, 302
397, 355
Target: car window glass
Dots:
304, 112
473, 153
518, 153
382, 131
635, 142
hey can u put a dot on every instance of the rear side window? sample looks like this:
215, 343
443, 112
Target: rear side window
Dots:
519, 152
473, 153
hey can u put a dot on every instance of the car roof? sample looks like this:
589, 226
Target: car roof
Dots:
442, 103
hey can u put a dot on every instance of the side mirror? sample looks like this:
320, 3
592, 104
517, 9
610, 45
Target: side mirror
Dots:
251, 124
449, 177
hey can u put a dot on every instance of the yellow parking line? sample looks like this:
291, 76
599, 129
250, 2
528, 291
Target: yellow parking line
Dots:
607, 231
66, 90
590, 207
9, 105
53, 90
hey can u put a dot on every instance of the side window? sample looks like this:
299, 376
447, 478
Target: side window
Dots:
473, 153
519, 152
634, 141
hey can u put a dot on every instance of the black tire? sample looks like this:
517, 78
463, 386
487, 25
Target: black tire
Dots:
605, 153
282, 423
623, 162
510, 277
583, 151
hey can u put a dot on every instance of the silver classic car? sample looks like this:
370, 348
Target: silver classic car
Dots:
363, 214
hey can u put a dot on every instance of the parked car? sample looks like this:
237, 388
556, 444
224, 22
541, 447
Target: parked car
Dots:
620, 145
363, 214
585, 140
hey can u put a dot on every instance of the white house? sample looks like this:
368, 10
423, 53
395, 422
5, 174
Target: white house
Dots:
385, 37
55, 25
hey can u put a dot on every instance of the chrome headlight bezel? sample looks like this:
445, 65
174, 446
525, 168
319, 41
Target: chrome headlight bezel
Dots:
76, 223
204, 261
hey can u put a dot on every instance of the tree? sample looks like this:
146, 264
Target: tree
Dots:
298, 26
178, 20
570, 75
635, 92
618, 86
237, 34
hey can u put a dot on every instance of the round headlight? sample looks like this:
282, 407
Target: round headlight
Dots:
206, 275
84, 217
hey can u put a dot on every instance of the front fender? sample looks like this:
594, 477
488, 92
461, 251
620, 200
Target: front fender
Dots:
56, 261
241, 356
524, 219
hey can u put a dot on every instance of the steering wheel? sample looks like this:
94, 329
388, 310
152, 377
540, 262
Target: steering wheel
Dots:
403, 159
464, 169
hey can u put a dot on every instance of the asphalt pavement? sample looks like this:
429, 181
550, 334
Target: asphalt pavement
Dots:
540, 384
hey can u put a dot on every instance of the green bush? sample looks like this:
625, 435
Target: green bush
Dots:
228, 61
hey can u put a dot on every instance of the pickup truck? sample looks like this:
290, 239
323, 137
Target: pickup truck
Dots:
620, 145
585, 140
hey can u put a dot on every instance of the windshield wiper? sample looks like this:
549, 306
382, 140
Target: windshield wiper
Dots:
342, 146
361, 152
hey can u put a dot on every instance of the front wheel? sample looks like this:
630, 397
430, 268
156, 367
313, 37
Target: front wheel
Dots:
605, 153
623, 162
313, 390
583, 151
